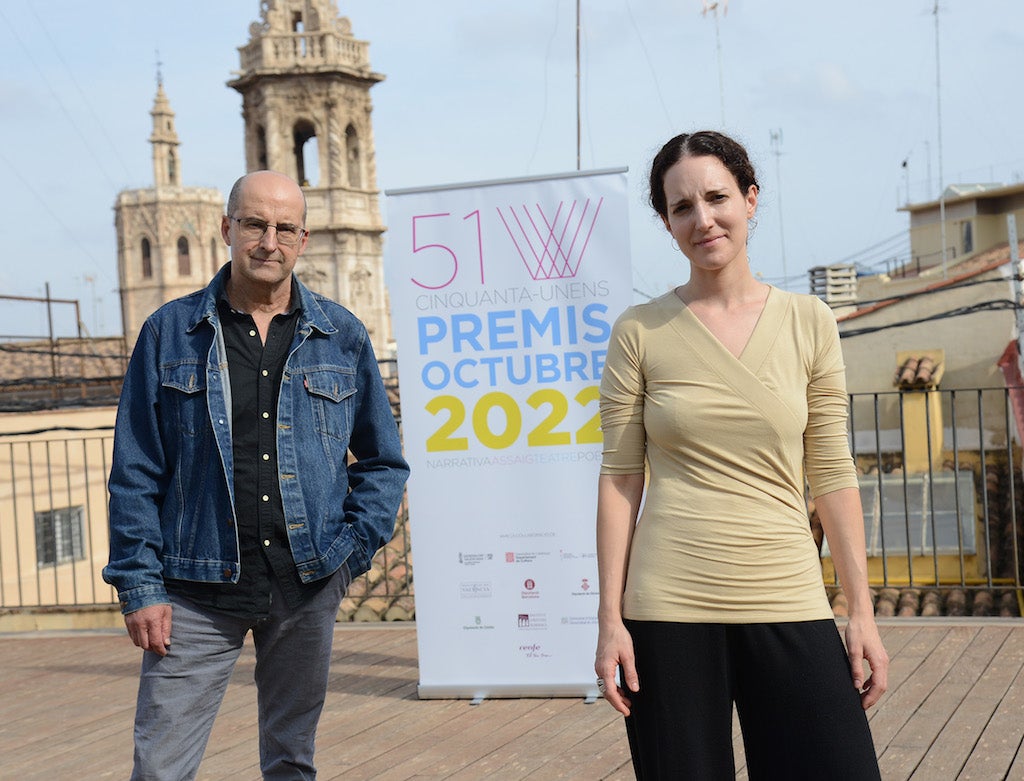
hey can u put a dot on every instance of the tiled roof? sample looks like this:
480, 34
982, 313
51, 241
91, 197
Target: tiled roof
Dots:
1004, 505
916, 372
911, 602
61, 373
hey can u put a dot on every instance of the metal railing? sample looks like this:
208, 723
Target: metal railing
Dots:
54, 531
950, 532
53, 519
54, 525
946, 531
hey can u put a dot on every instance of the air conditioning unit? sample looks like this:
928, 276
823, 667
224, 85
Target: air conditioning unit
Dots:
836, 285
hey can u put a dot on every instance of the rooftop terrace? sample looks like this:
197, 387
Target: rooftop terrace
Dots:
953, 711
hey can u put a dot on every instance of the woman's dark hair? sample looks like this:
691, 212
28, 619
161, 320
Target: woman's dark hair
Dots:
703, 143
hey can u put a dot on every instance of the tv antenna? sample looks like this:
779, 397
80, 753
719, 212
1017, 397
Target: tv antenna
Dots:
713, 8
776, 142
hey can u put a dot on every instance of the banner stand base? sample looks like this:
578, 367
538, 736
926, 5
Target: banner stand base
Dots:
477, 694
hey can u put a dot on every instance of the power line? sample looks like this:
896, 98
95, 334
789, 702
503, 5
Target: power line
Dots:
897, 238
996, 305
55, 217
81, 93
544, 103
650, 65
919, 293
56, 97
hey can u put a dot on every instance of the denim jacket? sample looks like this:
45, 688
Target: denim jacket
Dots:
171, 486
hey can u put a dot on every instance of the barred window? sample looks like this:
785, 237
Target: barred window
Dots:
935, 514
59, 536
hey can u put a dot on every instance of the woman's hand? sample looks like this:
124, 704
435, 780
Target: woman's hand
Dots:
842, 518
864, 642
615, 653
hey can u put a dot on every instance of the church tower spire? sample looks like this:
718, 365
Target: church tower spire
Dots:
164, 138
168, 235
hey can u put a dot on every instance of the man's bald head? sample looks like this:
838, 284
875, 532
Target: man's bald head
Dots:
256, 177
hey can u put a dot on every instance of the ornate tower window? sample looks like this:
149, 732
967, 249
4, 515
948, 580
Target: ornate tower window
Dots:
298, 29
147, 260
353, 157
184, 261
307, 162
261, 148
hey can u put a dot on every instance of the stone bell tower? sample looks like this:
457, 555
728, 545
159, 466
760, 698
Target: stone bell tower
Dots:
305, 84
168, 236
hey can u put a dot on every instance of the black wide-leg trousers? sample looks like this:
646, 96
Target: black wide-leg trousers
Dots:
800, 715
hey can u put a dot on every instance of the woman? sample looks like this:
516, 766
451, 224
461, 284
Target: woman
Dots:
732, 393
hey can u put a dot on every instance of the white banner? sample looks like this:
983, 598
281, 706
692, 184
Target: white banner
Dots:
502, 296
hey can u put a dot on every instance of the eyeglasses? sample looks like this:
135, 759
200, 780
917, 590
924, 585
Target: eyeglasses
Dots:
253, 229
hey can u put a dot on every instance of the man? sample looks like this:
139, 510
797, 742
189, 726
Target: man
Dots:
234, 505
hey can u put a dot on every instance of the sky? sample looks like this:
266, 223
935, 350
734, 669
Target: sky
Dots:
848, 110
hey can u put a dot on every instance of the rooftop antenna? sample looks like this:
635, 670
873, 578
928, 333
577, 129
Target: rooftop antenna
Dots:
776, 142
905, 165
928, 160
713, 8
938, 104
577, 85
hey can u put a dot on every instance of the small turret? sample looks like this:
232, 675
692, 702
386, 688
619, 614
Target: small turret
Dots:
166, 169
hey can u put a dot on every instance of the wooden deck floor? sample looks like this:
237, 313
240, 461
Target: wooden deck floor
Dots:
955, 710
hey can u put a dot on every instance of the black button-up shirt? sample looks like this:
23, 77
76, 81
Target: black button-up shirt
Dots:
255, 370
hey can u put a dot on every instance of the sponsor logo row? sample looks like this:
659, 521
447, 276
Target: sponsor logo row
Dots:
474, 558
526, 622
484, 589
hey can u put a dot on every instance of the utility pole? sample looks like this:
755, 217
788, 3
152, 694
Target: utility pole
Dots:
1017, 273
578, 85
776, 142
90, 280
906, 178
938, 105
928, 160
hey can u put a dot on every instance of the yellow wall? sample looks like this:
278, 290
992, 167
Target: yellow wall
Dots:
44, 466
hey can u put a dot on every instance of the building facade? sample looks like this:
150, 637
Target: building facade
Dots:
975, 220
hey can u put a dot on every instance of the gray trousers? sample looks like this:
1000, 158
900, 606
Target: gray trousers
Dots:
180, 693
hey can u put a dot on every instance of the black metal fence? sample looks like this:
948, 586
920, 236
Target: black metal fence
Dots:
54, 520
942, 494
54, 531
946, 537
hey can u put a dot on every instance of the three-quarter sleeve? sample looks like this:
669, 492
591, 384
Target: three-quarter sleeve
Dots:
829, 465
622, 400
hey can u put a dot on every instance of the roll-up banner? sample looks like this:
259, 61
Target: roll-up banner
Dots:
503, 295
